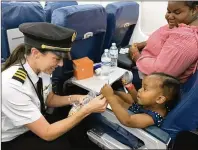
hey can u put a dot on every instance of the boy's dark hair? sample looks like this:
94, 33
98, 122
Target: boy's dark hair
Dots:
171, 88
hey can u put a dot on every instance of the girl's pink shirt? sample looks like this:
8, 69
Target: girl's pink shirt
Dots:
172, 51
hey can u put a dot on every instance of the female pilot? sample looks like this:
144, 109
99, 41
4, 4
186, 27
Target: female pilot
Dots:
24, 125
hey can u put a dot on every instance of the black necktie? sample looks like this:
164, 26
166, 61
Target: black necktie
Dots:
40, 95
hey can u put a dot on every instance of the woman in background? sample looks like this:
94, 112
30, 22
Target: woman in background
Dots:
173, 48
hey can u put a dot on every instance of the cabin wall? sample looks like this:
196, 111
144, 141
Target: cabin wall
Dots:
152, 17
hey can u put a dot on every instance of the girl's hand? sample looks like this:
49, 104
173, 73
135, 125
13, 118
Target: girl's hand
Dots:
107, 91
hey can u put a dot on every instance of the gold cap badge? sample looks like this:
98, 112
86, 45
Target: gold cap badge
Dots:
74, 36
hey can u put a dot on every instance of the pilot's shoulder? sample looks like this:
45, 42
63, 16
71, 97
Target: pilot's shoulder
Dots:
18, 76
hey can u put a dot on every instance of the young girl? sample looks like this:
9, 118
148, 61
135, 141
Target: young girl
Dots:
159, 93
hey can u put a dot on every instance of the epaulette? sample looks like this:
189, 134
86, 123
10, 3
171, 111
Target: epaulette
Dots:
20, 75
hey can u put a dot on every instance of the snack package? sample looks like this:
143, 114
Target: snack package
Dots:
77, 106
74, 109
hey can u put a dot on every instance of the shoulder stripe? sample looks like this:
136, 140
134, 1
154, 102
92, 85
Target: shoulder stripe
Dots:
22, 78
18, 79
21, 71
20, 75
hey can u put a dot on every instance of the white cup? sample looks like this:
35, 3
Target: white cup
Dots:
127, 77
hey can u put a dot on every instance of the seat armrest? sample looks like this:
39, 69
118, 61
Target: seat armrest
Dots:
124, 61
153, 137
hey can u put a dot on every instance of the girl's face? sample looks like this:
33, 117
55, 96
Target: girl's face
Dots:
179, 12
151, 91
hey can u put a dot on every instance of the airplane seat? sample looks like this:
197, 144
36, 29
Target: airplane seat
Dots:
51, 6
14, 14
89, 21
184, 117
121, 20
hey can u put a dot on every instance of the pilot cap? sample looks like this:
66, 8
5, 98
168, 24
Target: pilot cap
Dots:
48, 37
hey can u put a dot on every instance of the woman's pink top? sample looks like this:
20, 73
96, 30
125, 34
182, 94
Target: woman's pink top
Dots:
172, 51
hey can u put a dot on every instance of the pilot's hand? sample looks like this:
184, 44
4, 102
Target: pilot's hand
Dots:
98, 104
77, 98
107, 91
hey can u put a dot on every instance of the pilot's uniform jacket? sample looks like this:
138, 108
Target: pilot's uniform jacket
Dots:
20, 103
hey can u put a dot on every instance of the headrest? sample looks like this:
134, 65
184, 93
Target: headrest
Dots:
51, 6
91, 17
126, 13
15, 13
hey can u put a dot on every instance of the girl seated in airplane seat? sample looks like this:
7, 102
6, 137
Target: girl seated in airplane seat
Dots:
173, 48
159, 94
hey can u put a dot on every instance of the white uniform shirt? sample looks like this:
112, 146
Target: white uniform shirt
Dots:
20, 103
